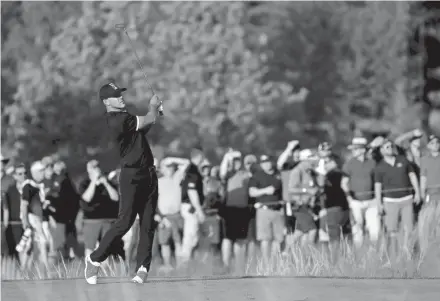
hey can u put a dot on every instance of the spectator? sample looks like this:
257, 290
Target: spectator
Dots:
192, 199
430, 192
50, 226
168, 207
205, 169
396, 187
409, 145
12, 223
235, 212
266, 187
358, 185
430, 171
6, 182
214, 196
303, 193
66, 203
250, 164
98, 196
287, 161
334, 214
374, 149
33, 208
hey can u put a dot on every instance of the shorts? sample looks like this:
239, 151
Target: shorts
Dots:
395, 211
165, 234
94, 230
304, 220
58, 235
210, 229
36, 223
236, 223
334, 221
252, 229
270, 225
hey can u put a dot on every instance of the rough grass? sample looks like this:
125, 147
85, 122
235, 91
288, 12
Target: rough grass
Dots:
315, 261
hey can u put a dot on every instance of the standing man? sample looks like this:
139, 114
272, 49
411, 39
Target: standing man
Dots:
191, 210
396, 188
287, 161
358, 185
266, 187
6, 182
303, 194
430, 192
138, 181
97, 196
235, 212
11, 200
33, 207
430, 172
68, 199
168, 213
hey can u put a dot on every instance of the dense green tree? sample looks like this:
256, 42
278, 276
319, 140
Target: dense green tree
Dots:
230, 73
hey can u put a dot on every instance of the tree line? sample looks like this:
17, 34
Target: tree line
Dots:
230, 73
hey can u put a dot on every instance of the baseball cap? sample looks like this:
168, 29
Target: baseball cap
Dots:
250, 159
37, 166
4, 159
305, 154
264, 158
110, 90
432, 138
358, 142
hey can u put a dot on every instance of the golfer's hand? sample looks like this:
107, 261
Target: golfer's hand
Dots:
257, 205
322, 212
155, 102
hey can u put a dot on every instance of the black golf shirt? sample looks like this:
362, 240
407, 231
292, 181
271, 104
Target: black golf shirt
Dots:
134, 149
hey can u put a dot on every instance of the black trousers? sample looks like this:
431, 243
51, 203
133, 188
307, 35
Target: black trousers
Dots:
138, 195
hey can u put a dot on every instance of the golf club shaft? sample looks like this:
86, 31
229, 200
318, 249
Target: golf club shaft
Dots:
142, 68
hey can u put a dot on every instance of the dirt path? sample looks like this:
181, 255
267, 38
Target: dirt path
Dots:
255, 289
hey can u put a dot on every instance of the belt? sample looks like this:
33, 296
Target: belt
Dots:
274, 208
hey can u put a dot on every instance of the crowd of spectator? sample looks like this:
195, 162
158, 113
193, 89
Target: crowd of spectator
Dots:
245, 205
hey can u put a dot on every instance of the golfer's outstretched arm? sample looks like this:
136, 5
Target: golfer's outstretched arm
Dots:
151, 117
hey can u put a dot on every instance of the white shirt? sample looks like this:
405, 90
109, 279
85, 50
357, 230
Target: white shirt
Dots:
170, 195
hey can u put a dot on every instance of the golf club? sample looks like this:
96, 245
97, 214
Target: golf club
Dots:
122, 27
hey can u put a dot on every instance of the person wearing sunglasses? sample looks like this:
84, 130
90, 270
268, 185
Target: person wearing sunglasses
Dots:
396, 188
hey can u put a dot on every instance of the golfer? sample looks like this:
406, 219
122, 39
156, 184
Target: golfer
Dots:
137, 182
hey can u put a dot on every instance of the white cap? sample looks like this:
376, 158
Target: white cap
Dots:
305, 154
37, 166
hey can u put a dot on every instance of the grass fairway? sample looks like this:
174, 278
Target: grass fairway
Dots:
217, 289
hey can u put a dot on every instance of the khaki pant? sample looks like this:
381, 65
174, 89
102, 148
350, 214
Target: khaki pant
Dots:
190, 231
399, 210
365, 217
270, 225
